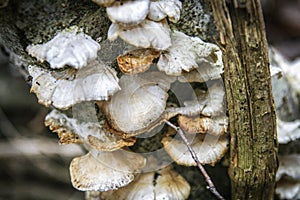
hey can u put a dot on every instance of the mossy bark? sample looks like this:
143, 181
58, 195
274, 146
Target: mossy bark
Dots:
251, 110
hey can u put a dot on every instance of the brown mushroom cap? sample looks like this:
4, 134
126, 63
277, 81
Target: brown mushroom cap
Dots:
105, 171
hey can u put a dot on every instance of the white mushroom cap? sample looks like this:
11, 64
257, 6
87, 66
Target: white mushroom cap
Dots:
104, 2
210, 103
288, 131
163, 8
128, 12
201, 74
148, 34
288, 189
105, 170
168, 185
139, 105
187, 53
93, 82
66, 48
209, 149
91, 133
289, 166
199, 124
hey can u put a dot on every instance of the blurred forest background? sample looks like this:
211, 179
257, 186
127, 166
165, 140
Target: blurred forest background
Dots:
33, 165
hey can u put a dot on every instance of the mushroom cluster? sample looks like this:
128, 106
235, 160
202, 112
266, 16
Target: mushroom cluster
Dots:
106, 109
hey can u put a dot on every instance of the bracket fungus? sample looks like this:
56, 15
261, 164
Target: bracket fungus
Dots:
103, 171
147, 34
128, 12
162, 8
90, 133
63, 89
165, 184
66, 48
288, 131
187, 53
208, 148
139, 105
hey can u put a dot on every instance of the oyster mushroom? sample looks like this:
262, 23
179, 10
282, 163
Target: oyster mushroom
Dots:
187, 53
288, 131
139, 105
147, 34
199, 124
71, 130
104, 2
210, 103
162, 8
165, 184
128, 12
288, 189
66, 48
208, 148
105, 171
63, 89
137, 60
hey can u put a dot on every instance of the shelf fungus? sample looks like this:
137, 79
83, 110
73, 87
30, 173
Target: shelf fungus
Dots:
137, 60
103, 171
147, 34
188, 53
140, 104
162, 8
288, 177
288, 131
209, 103
66, 48
198, 124
165, 184
71, 130
128, 12
63, 89
209, 149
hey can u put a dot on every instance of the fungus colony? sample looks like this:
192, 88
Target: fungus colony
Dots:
107, 108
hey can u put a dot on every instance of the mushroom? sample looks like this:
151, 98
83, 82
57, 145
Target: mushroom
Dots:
208, 148
210, 103
202, 74
165, 184
187, 53
215, 126
147, 34
71, 130
66, 48
288, 131
139, 105
163, 8
104, 2
288, 189
137, 60
63, 89
128, 12
103, 171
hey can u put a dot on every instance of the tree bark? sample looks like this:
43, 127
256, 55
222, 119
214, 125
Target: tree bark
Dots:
253, 145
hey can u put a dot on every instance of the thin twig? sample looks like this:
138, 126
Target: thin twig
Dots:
208, 180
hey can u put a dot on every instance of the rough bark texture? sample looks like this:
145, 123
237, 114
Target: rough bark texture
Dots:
253, 145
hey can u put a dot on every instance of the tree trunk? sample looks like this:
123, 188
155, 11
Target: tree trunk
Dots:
253, 145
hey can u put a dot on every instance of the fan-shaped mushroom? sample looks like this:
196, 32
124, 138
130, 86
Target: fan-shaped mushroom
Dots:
163, 8
137, 60
140, 104
164, 184
128, 12
66, 48
187, 53
66, 88
215, 126
209, 149
148, 34
288, 131
105, 171
91, 133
